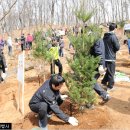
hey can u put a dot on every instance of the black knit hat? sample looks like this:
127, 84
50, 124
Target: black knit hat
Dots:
57, 79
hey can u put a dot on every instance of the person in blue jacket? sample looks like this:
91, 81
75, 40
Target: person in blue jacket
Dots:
47, 99
98, 50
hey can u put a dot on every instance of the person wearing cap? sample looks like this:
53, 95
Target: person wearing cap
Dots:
48, 99
112, 45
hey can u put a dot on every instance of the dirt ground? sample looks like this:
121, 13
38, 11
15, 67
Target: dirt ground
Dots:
113, 115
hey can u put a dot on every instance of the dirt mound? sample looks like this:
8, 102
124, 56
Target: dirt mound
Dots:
90, 119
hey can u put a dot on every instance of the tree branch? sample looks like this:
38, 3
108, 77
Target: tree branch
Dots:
8, 10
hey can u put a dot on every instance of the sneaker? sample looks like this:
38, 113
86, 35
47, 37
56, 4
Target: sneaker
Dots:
106, 98
41, 125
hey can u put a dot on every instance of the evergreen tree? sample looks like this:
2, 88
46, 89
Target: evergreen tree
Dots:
81, 81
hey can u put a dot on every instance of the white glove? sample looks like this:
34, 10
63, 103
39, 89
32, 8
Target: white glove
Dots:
3, 75
63, 97
101, 69
6, 69
49, 115
73, 121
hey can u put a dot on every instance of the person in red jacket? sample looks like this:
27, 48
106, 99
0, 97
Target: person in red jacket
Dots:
29, 41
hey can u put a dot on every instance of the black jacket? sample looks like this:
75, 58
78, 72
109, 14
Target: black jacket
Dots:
112, 45
46, 94
2, 62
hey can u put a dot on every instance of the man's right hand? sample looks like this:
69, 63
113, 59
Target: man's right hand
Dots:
73, 121
6, 69
3, 75
101, 69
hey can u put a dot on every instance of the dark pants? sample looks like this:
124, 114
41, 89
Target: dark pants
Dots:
9, 50
99, 90
29, 45
22, 47
61, 53
57, 63
1, 79
42, 108
109, 76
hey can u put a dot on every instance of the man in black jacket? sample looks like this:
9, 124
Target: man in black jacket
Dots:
112, 45
47, 99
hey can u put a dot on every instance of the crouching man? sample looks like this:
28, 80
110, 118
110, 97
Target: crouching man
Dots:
48, 99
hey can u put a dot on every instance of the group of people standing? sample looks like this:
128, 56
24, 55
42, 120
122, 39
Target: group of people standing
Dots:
25, 42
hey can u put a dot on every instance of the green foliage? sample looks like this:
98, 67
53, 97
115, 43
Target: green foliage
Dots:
121, 24
83, 43
83, 16
81, 81
40, 51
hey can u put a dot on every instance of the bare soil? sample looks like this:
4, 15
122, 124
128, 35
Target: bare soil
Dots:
113, 115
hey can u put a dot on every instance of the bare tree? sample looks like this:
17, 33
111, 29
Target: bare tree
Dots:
7, 12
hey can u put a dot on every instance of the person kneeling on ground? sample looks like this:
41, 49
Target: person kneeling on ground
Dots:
47, 99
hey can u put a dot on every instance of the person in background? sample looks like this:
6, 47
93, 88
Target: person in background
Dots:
54, 52
22, 42
1, 43
9, 43
47, 99
16, 43
61, 45
29, 41
112, 45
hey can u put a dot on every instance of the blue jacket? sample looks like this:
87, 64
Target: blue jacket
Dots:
98, 49
46, 94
